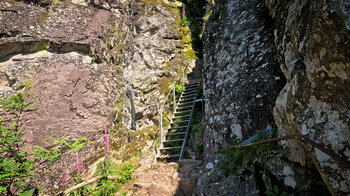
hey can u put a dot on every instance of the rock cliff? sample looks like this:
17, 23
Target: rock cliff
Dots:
313, 50
244, 52
108, 64
97, 67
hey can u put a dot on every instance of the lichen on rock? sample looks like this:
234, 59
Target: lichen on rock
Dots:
315, 102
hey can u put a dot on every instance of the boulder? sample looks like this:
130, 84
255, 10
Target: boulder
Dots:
313, 50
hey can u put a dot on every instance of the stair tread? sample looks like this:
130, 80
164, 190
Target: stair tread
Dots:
180, 122
183, 102
186, 95
176, 133
183, 112
185, 116
168, 156
182, 107
172, 147
181, 127
192, 84
191, 88
175, 140
191, 98
189, 91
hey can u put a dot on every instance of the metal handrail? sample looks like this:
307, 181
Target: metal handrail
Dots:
187, 131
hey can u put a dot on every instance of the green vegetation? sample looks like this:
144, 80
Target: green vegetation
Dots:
184, 21
178, 91
17, 163
275, 192
262, 8
119, 106
106, 186
56, 2
197, 126
235, 157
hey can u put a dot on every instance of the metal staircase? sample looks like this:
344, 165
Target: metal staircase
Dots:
173, 146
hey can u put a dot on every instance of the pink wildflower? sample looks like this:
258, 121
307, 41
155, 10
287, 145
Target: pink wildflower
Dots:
72, 184
106, 145
183, 11
80, 166
76, 167
64, 179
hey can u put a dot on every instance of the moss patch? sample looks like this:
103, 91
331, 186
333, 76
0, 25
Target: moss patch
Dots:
128, 144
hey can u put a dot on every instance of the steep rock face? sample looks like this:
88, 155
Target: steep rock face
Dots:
76, 96
76, 56
151, 62
241, 75
313, 47
241, 82
67, 27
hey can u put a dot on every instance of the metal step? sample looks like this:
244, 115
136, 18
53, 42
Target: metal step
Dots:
169, 148
185, 116
183, 102
193, 84
190, 95
181, 127
176, 140
178, 122
182, 112
191, 98
168, 156
191, 88
189, 92
176, 133
185, 107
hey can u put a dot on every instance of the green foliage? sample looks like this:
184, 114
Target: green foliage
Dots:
207, 15
236, 156
157, 142
187, 40
275, 192
26, 193
53, 152
77, 144
184, 21
197, 126
262, 8
48, 154
17, 163
56, 2
124, 172
178, 91
105, 186
124, 193
199, 147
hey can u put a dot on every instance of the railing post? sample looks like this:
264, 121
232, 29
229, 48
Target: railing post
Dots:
183, 78
174, 96
161, 124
